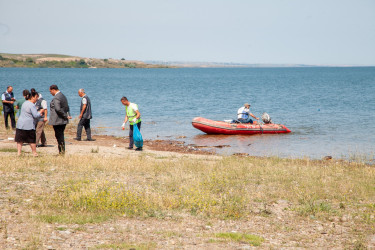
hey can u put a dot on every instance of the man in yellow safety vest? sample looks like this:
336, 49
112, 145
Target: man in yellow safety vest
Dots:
134, 117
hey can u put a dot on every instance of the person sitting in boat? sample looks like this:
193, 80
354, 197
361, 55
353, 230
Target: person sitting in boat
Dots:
244, 114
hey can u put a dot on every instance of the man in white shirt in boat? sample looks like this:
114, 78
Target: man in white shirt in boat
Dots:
243, 114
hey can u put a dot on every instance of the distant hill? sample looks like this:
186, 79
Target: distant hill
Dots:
66, 61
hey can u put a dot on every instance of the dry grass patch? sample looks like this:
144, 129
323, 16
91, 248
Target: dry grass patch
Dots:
91, 189
231, 188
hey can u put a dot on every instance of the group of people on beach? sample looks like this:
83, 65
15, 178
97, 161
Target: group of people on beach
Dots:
33, 117
33, 113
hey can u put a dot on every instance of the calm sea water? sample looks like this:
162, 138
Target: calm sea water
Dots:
331, 111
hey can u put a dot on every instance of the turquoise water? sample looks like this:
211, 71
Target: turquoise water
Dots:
331, 111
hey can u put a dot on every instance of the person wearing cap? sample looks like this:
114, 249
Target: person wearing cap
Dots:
243, 114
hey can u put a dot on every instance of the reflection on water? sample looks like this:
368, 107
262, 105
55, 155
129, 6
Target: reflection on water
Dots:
258, 144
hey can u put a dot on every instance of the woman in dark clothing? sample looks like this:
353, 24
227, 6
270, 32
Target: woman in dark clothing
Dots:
25, 132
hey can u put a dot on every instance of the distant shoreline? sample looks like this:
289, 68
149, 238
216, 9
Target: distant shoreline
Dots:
66, 61
8, 60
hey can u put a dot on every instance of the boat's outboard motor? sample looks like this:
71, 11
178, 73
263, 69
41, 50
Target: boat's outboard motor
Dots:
266, 118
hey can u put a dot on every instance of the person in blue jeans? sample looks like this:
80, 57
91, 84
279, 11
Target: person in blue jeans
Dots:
243, 114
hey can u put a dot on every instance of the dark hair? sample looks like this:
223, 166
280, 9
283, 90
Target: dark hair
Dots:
53, 86
32, 90
124, 98
31, 94
25, 92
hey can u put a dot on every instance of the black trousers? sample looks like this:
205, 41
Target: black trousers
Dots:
12, 119
84, 123
59, 134
131, 140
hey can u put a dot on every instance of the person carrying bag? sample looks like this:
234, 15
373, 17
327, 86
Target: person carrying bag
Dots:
133, 115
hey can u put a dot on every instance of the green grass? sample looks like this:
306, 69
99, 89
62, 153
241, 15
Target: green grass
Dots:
315, 208
138, 246
8, 150
251, 239
75, 218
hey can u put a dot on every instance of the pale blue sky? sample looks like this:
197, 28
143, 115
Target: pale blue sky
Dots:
244, 31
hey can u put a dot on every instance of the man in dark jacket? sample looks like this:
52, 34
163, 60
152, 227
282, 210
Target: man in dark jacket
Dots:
8, 107
84, 116
59, 116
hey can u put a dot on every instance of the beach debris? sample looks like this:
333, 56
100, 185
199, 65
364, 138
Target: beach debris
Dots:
114, 145
241, 154
222, 146
204, 146
327, 158
181, 136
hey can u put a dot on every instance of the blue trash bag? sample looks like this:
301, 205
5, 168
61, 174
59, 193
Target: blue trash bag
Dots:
137, 137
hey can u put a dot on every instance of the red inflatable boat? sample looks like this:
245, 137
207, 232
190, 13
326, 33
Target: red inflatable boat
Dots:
222, 127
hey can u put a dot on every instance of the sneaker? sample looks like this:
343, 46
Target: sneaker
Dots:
129, 148
77, 139
90, 140
138, 149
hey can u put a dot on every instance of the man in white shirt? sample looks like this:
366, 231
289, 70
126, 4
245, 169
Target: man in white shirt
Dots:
41, 104
8, 109
243, 114
84, 116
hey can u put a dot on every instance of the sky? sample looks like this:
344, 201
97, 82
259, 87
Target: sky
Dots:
323, 32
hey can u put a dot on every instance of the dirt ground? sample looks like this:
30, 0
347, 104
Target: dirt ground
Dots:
110, 144
280, 227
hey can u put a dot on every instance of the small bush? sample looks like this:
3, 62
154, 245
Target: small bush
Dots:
130, 65
95, 151
29, 60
